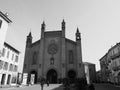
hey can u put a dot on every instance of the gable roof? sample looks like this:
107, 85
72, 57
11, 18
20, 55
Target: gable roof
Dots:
71, 41
35, 43
53, 33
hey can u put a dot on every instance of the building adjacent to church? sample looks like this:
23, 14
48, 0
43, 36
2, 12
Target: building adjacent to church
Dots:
4, 24
110, 65
53, 57
9, 56
90, 72
9, 65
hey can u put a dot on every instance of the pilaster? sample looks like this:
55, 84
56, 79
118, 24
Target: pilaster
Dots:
80, 65
63, 58
41, 59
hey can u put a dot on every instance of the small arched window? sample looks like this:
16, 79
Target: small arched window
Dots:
34, 59
71, 57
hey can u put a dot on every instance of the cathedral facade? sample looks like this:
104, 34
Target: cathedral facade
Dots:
53, 57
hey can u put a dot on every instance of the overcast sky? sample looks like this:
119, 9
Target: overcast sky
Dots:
97, 20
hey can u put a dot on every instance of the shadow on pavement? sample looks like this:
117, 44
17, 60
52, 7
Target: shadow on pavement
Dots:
61, 87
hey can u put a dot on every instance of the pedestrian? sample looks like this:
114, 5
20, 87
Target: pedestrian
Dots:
42, 84
47, 82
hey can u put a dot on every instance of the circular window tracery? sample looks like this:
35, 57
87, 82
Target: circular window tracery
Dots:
52, 49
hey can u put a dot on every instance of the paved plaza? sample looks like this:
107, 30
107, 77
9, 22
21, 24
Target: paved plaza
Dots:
36, 87
106, 87
59, 87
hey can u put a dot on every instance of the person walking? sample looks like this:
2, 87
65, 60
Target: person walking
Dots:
47, 82
42, 84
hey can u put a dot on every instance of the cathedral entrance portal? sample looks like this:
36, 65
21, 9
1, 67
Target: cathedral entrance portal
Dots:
52, 76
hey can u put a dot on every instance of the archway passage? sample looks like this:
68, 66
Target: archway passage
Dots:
33, 77
52, 76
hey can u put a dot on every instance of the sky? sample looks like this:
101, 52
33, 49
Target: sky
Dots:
97, 20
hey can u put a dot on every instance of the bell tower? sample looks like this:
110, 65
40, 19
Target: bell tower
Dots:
41, 50
27, 58
80, 65
42, 29
29, 40
78, 36
63, 50
63, 28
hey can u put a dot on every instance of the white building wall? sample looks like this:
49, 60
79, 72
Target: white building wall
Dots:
87, 73
90, 72
9, 60
3, 31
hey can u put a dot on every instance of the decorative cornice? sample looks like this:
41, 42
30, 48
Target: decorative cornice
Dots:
9, 46
5, 17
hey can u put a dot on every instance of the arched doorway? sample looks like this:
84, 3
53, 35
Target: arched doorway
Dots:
33, 77
52, 76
